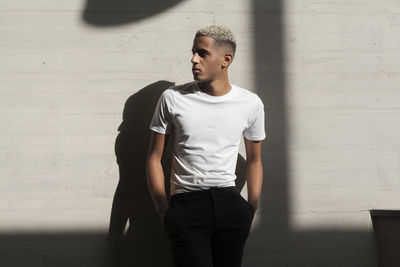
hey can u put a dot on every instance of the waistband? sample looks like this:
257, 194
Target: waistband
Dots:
204, 193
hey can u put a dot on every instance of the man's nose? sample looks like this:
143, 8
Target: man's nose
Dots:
195, 58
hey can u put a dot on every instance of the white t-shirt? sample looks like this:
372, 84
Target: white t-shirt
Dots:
205, 131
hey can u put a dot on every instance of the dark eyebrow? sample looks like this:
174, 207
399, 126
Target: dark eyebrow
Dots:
205, 51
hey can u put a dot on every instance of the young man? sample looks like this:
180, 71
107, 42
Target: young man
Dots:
206, 219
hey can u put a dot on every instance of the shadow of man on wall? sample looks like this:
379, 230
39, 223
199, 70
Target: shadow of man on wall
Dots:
136, 236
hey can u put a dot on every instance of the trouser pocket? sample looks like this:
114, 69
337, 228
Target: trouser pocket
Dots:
246, 204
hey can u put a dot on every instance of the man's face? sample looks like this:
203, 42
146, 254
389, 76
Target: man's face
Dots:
207, 59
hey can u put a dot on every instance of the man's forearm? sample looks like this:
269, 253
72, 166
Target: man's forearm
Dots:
254, 175
155, 182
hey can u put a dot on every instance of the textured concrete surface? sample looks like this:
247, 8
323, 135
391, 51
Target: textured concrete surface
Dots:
78, 84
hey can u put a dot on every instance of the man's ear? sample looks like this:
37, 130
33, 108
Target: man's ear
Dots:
228, 57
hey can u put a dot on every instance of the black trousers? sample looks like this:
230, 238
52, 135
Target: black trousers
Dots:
208, 228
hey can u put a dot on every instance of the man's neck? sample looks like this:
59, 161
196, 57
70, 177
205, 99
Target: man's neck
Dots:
216, 87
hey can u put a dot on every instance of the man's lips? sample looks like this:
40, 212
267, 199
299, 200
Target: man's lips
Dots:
195, 70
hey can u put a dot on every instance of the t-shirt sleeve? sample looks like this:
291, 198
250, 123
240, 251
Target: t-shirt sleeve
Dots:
255, 130
162, 117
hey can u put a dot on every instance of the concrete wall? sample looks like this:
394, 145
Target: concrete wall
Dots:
80, 81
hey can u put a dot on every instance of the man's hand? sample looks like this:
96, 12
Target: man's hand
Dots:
161, 213
254, 205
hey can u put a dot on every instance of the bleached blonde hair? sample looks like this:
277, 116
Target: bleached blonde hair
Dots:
221, 35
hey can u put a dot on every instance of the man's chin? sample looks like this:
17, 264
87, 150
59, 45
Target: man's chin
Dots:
197, 78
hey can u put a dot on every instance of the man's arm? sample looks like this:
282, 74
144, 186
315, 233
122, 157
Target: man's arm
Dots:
155, 173
254, 171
